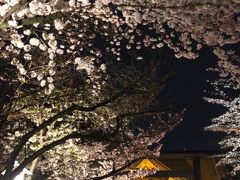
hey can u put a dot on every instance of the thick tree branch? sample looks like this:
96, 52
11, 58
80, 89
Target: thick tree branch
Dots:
38, 153
36, 19
59, 14
116, 171
187, 5
27, 136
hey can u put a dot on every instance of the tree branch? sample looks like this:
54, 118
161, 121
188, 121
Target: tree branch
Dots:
162, 7
15, 8
37, 19
27, 136
115, 171
59, 14
94, 136
223, 129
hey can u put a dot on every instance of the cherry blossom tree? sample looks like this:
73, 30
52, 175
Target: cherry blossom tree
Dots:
57, 58
56, 27
103, 126
226, 93
228, 123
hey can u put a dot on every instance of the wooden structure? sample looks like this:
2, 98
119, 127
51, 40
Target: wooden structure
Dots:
180, 167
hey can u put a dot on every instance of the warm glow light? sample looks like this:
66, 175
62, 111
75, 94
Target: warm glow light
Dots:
146, 164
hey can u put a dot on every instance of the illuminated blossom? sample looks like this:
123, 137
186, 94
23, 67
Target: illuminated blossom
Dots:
34, 42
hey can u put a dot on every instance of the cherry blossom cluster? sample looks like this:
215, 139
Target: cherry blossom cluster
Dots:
93, 159
230, 124
74, 88
55, 28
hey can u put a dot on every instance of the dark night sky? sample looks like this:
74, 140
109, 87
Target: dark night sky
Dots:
188, 86
189, 135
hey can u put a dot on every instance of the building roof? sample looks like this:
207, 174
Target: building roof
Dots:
153, 164
208, 168
179, 164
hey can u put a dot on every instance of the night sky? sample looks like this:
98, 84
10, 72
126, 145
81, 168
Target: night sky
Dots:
188, 87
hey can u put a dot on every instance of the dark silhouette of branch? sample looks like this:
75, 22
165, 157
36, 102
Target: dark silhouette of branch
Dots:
51, 17
37, 19
98, 136
116, 171
66, 111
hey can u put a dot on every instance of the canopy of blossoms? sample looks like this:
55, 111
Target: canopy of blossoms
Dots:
63, 56
56, 29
